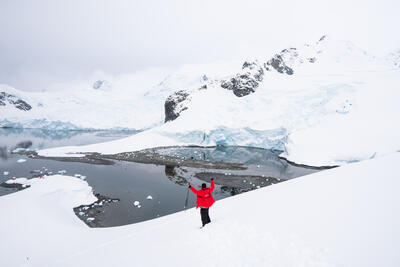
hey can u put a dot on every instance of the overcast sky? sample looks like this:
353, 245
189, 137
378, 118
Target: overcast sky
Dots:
48, 41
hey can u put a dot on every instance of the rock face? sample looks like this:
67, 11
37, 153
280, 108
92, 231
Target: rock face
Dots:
101, 84
279, 65
15, 101
245, 82
175, 104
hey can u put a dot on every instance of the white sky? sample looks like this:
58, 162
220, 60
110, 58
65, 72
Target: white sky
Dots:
48, 41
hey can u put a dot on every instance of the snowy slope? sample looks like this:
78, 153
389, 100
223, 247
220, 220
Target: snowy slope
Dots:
337, 104
346, 216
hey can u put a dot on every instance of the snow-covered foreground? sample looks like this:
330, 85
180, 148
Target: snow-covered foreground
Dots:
348, 216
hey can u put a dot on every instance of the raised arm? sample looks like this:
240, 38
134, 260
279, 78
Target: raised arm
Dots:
193, 190
212, 184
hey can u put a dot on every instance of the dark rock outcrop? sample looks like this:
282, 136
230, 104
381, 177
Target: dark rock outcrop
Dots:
247, 81
279, 65
174, 105
101, 84
13, 100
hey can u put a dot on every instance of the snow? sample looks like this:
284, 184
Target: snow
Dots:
343, 99
339, 217
17, 181
124, 101
340, 109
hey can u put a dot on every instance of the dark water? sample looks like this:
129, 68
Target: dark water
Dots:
130, 181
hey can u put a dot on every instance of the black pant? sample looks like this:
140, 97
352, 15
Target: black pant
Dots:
205, 218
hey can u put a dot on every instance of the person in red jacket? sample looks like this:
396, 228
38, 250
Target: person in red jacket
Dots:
204, 200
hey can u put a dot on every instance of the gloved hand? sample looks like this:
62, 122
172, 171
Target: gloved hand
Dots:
212, 179
189, 186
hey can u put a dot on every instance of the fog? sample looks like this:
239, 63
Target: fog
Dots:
44, 42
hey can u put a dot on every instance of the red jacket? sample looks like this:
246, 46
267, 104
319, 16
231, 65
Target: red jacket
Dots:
204, 197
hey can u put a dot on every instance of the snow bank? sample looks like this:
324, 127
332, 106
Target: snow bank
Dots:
36, 222
339, 217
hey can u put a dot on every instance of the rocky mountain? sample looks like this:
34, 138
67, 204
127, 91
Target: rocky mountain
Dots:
150, 98
251, 75
8, 99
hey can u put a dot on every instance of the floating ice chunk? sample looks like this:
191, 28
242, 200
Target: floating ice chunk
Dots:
77, 175
149, 197
244, 181
81, 213
258, 166
6, 173
90, 219
83, 177
136, 203
21, 160
139, 206
258, 186
62, 172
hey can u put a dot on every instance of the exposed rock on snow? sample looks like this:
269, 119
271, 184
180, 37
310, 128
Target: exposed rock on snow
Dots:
278, 63
101, 84
175, 104
245, 82
15, 101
